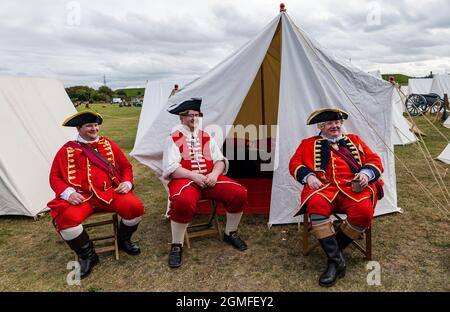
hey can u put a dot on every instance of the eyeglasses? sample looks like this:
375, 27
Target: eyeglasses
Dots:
332, 122
192, 115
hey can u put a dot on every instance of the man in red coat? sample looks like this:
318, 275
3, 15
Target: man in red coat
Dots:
87, 175
196, 169
340, 173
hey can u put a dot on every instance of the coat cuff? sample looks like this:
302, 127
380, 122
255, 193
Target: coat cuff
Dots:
130, 185
67, 192
301, 173
373, 169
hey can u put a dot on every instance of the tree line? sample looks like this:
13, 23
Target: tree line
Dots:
88, 94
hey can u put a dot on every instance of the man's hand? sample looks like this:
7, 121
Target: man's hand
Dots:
211, 179
364, 179
199, 179
123, 188
313, 182
75, 198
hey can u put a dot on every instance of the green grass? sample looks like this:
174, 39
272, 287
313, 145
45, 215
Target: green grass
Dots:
133, 91
399, 78
412, 247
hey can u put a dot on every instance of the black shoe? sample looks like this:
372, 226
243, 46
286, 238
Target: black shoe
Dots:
343, 240
176, 251
84, 248
124, 239
234, 240
336, 263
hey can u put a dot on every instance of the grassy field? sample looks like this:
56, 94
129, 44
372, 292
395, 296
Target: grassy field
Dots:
399, 78
133, 91
412, 248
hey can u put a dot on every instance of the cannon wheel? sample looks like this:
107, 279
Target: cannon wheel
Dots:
436, 107
416, 104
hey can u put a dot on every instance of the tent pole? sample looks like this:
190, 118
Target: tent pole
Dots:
263, 119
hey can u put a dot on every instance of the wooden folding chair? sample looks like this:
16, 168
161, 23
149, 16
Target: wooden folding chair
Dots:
308, 246
99, 219
210, 228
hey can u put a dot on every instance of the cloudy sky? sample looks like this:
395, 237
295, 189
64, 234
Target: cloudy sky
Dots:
131, 42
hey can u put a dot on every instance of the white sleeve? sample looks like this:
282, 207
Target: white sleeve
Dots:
171, 158
216, 154
130, 185
67, 192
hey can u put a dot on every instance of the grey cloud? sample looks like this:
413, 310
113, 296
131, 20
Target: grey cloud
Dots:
135, 46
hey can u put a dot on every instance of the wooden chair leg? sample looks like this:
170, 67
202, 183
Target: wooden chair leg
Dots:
186, 239
307, 245
369, 243
305, 235
115, 229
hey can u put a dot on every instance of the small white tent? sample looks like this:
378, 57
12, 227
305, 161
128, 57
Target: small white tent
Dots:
445, 155
155, 97
405, 92
32, 110
440, 85
279, 78
447, 122
419, 85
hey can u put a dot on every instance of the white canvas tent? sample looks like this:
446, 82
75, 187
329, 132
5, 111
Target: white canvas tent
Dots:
447, 122
32, 111
376, 73
155, 97
419, 85
405, 91
280, 77
445, 155
440, 85
401, 135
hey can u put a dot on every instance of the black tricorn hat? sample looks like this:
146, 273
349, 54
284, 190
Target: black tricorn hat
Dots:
191, 104
81, 118
326, 114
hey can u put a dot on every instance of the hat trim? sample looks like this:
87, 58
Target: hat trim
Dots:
78, 114
317, 112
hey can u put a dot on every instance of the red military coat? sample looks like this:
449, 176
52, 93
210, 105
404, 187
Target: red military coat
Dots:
315, 155
71, 168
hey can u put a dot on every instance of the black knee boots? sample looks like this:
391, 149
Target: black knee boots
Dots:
84, 248
343, 240
336, 263
124, 239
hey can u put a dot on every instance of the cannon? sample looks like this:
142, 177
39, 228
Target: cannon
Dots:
417, 104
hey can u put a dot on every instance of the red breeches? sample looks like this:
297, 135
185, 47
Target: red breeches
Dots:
65, 215
182, 206
358, 213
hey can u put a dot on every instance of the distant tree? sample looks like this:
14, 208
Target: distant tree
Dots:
106, 90
101, 97
82, 93
83, 97
121, 93
139, 93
